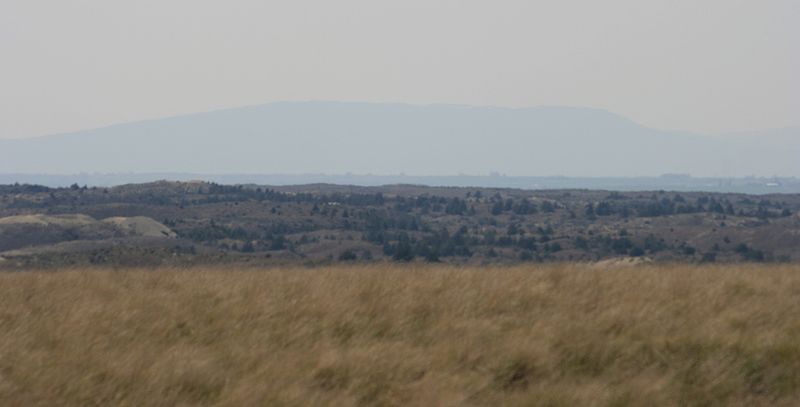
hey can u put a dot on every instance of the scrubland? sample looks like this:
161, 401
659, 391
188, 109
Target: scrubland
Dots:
549, 335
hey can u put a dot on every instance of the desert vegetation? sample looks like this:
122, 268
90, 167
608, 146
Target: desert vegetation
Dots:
173, 223
559, 334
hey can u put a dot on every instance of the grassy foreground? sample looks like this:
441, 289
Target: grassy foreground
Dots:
394, 335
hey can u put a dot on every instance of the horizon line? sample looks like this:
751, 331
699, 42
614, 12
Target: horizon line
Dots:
388, 103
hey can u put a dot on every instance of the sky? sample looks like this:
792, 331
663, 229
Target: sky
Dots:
711, 66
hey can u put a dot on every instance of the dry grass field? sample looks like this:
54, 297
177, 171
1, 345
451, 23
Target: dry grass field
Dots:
553, 335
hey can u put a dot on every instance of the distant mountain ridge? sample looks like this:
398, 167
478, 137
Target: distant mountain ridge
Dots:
383, 138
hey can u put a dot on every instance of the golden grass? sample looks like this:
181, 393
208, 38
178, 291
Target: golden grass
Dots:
403, 335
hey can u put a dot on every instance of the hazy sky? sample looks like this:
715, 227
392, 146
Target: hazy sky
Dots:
707, 66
